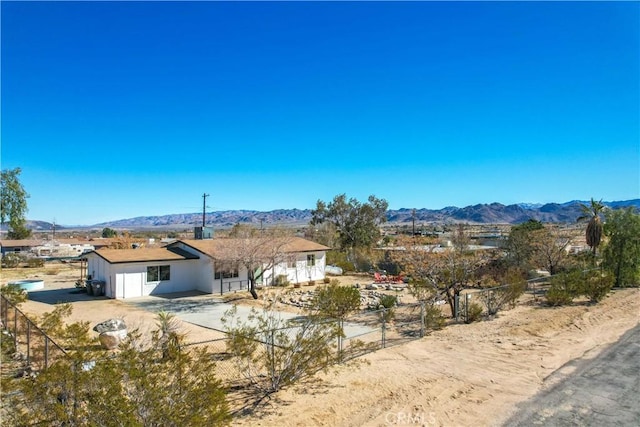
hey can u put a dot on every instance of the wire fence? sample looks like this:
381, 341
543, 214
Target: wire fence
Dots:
475, 304
362, 334
30, 344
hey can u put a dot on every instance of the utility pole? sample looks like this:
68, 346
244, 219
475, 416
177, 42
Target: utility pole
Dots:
413, 217
204, 207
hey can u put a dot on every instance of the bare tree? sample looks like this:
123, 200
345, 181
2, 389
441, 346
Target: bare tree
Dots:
257, 255
550, 247
436, 273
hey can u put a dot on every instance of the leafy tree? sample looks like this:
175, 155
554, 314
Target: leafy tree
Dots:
243, 230
109, 232
356, 224
621, 255
134, 386
14, 204
592, 213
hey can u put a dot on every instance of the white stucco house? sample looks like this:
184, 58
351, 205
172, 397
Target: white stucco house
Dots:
210, 266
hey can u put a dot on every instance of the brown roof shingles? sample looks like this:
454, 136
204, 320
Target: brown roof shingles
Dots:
215, 247
115, 256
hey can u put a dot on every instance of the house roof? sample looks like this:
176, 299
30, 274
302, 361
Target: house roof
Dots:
118, 256
216, 248
6, 243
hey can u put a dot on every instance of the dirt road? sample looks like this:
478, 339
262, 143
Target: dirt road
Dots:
601, 391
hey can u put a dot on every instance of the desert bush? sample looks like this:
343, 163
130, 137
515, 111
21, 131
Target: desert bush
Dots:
388, 302
311, 283
274, 353
505, 297
596, 285
326, 280
556, 296
12, 260
35, 262
474, 312
281, 280
564, 288
134, 386
433, 317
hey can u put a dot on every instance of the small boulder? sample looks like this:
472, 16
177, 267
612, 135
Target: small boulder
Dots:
112, 339
110, 325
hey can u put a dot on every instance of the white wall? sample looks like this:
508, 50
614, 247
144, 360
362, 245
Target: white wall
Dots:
129, 280
302, 271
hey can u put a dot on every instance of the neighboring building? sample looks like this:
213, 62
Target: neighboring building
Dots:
18, 246
58, 248
202, 265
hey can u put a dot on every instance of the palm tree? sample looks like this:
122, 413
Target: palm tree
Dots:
592, 213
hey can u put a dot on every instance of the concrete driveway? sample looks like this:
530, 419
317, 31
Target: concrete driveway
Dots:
207, 311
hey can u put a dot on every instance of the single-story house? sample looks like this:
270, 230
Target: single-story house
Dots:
18, 246
210, 265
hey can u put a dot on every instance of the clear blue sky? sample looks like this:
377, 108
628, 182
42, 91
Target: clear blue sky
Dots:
116, 109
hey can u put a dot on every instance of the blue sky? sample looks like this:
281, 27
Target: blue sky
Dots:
122, 109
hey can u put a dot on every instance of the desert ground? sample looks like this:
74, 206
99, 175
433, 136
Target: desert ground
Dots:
461, 375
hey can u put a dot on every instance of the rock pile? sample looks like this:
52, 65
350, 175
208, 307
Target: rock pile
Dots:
112, 332
369, 299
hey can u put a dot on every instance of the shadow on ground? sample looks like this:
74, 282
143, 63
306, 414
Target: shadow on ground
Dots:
60, 296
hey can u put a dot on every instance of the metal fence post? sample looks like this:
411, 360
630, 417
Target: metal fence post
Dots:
28, 342
384, 329
456, 307
15, 328
422, 314
488, 302
46, 352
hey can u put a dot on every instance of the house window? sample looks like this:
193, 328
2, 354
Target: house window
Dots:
311, 260
158, 273
227, 274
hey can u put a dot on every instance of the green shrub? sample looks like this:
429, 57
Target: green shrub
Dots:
388, 302
433, 317
557, 296
11, 260
474, 312
564, 288
597, 285
35, 262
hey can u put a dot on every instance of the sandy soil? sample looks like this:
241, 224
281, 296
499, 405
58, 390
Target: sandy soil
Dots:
462, 375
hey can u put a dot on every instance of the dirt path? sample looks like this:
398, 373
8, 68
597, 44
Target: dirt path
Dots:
463, 375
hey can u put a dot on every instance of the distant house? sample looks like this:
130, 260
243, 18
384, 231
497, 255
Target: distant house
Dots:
18, 246
202, 265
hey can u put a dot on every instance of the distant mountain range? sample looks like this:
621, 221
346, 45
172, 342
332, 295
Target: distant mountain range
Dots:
494, 213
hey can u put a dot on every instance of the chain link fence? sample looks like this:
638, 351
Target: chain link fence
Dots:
475, 304
29, 344
363, 333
